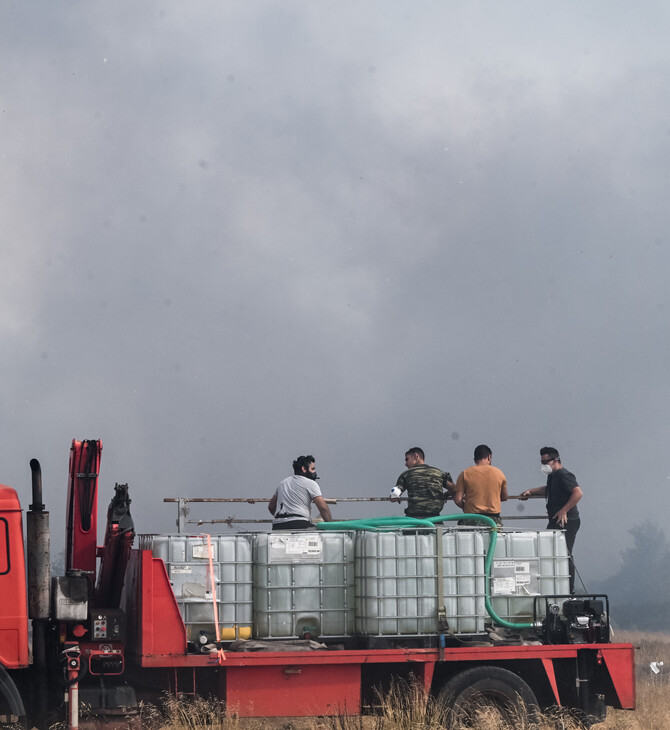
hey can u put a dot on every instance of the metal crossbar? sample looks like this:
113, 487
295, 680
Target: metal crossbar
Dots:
184, 509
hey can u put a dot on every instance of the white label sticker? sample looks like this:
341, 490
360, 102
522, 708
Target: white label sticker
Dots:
303, 545
294, 547
504, 586
201, 552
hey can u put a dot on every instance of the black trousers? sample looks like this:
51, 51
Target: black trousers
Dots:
494, 516
293, 525
571, 528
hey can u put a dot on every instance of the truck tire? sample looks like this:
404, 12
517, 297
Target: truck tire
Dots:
12, 711
499, 693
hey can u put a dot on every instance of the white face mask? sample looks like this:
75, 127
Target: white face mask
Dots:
546, 469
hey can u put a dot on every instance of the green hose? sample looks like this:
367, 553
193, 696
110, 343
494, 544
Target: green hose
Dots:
373, 524
493, 539
376, 524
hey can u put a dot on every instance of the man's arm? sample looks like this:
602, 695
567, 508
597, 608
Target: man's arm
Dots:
323, 508
273, 504
449, 486
503, 491
459, 494
538, 491
399, 485
562, 515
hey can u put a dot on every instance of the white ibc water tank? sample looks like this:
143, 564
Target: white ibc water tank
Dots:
527, 564
186, 559
397, 582
303, 584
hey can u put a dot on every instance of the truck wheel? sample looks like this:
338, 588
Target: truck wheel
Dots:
486, 694
12, 711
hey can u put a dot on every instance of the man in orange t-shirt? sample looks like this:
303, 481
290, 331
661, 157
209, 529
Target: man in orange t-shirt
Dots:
481, 488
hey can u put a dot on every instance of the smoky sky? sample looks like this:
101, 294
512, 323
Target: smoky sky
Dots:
235, 233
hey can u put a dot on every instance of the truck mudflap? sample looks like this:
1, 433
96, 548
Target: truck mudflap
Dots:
619, 662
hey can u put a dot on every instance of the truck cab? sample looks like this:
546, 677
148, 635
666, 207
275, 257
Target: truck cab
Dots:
14, 653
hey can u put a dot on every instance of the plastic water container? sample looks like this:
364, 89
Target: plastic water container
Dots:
527, 564
186, 559
397, 583
303, 585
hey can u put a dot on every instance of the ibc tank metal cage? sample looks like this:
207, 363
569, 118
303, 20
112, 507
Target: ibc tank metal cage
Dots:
400, 575
303, 585
186, 559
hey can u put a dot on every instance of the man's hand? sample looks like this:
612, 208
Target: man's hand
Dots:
524, 495
561, 517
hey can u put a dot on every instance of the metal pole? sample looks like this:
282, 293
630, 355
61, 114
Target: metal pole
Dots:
184, 509
330, 500
182, 513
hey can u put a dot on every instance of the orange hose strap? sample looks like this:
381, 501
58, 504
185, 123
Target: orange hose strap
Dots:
220, 654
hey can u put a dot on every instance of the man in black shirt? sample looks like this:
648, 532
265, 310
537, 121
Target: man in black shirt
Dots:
562, 494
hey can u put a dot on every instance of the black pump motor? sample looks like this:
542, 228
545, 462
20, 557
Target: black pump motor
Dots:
577, 620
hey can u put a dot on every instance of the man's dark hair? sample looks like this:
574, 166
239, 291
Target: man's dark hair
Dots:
482, 452
551, 452
417, 451
302, 461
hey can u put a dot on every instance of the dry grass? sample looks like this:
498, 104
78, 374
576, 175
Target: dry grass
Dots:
407, 707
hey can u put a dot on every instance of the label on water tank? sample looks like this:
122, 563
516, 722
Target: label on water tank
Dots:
201, 551
515, 577
281, 547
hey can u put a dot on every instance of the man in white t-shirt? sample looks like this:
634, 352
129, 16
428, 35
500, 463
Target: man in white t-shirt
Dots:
291, 505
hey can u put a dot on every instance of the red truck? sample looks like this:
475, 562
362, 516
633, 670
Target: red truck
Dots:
111, 630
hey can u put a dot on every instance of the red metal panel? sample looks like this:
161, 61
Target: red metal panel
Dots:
294, 690
280, 658
548, 665
428, 671
620, 662
162, 632
387, 656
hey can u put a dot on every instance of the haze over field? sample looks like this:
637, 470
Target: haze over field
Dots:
236, 232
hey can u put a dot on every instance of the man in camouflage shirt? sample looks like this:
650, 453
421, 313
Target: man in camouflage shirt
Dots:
426, 486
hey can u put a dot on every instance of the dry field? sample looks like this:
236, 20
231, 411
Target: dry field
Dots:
653, 696
414, 713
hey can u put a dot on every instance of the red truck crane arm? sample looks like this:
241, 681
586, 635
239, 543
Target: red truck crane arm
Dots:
115, 552
82, 508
